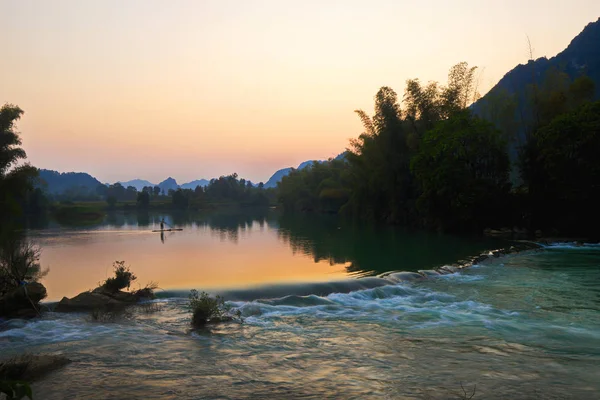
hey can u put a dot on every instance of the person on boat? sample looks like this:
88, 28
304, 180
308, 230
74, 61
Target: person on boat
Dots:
162, 224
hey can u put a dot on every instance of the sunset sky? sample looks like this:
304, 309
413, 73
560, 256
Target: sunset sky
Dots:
197, 89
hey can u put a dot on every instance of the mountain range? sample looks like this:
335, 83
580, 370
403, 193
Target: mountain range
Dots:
57, 183
167, 184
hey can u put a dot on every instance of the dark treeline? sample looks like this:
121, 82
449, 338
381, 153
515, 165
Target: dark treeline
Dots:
228, 189
428, 161
225, 190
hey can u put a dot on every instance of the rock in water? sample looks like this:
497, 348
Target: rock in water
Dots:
30, 367
405, 276
23, 302
87, 301
100, 299
429, 273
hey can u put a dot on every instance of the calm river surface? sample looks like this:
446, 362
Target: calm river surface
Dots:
524, 327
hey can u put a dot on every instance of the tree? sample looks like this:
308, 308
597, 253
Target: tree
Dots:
117, 191
131, 193
15, 180
320, 187
461, 90
156, 191
462, 172
562, 172
181, 198
112, 201
380, 159
19, 262
143, 199
101, 190
422, 106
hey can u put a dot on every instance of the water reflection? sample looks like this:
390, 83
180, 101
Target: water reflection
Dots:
236, 248
374, 249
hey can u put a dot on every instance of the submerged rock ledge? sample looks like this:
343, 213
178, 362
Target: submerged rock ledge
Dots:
23, 301
30, 367
518, 247
102, 299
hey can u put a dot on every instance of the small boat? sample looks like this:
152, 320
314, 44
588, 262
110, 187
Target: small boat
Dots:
168, 230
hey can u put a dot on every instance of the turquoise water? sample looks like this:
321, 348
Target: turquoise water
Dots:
525, 326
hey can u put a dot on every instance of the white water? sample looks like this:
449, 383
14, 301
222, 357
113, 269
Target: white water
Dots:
526, 326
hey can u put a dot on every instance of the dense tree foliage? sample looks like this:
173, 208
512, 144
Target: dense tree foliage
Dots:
19, 259
319, 187
224, 190
429, 162
143, 199
462, 170
16, 180
562, 171
375, 180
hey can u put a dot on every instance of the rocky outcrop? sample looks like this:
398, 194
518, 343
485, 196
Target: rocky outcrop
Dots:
517, 247
30, 367
23, 302
507, 233
101, 299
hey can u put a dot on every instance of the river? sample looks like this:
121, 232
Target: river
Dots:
525, 326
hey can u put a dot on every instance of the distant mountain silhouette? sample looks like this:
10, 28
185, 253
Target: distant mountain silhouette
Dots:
137, 183
277, 176
193, 184
168, 184
57, 183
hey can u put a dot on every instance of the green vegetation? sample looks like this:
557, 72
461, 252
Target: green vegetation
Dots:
16, 181
122, 279
320, 187
68, 213
206, 309
432, 163
19, 263
562, 169
15, 390
462, 172
16, 372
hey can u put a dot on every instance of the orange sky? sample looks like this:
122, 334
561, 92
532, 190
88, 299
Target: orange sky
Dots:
197, 89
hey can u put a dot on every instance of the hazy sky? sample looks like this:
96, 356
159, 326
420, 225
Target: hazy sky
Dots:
197, 89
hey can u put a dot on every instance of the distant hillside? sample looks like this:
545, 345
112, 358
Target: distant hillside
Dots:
581, 57
193, 184
509, 103
277, 176
137, 183
57, 183
168, 184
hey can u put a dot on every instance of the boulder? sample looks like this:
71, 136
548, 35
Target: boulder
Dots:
428, 272
29, 367
480, 258
405, 276
504, 232
449, 269
23, 302
100, 299
87, 301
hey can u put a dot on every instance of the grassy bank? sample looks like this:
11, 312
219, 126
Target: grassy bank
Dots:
92, 212
82, 213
